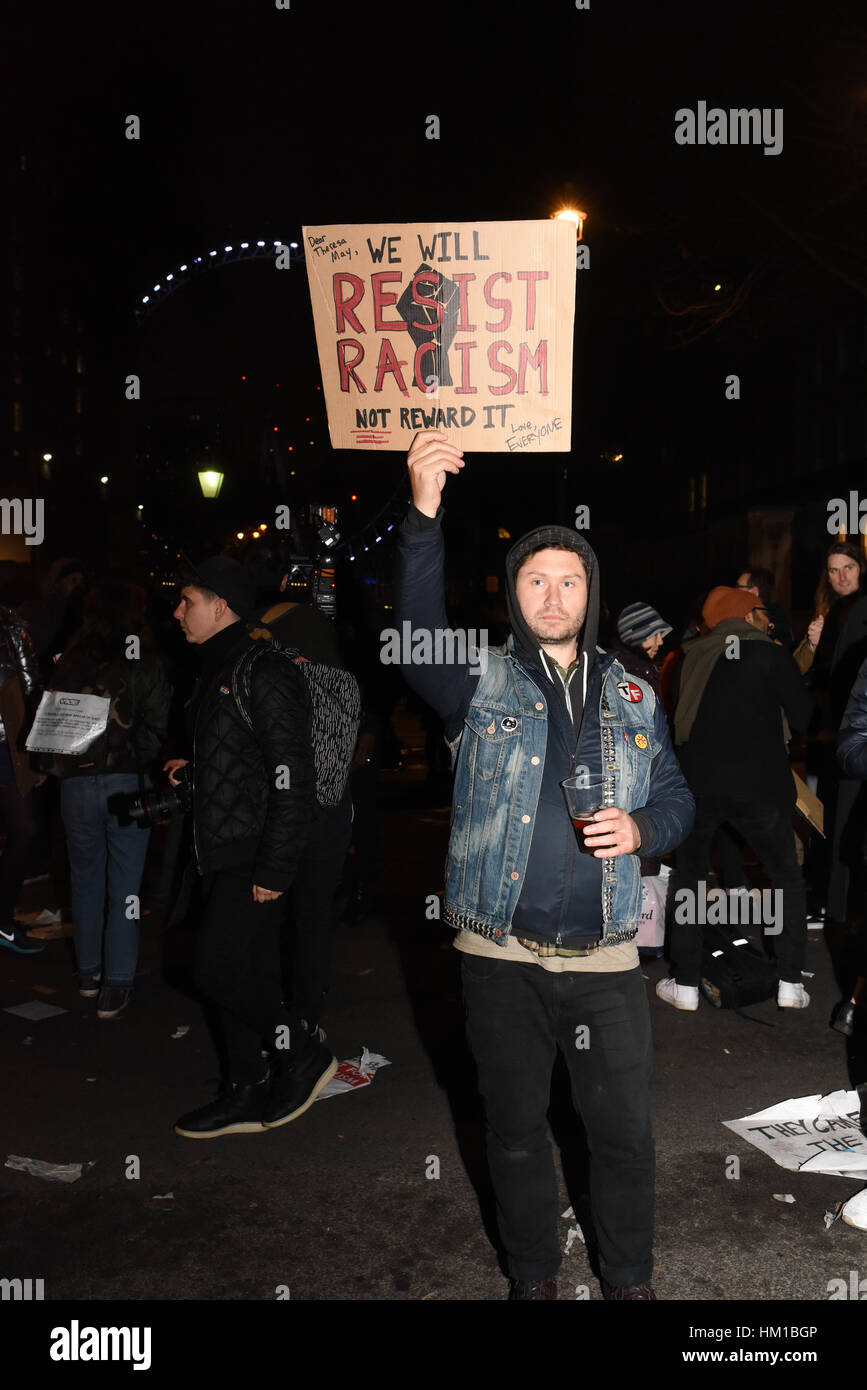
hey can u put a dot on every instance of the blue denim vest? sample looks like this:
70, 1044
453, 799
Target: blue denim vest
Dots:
499, 757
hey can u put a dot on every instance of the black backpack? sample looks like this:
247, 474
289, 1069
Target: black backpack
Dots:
734, 973
336, 713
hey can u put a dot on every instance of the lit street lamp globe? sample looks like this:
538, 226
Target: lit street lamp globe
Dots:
210, 481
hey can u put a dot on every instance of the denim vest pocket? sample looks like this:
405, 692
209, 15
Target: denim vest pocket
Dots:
495, 732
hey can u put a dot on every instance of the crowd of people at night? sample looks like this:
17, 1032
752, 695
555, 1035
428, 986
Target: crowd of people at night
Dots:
249, 730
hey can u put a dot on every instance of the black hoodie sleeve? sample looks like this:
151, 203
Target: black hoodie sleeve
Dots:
447, 683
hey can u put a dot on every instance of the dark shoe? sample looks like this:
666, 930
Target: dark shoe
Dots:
237, 1110
631, 1292
844, 1017
532, 1288
112, 1001
14, 938
88, 986
297, 1084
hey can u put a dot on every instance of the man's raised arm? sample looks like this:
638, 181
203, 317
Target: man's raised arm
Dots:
435, 660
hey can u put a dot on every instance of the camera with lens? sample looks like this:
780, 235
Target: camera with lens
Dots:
162, 803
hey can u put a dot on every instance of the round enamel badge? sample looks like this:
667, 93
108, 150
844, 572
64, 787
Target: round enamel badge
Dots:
641, 741
628, 690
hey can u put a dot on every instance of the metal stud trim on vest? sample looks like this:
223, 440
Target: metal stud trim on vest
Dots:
462, 921
609, 877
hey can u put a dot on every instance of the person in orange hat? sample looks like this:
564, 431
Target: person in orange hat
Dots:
737, 689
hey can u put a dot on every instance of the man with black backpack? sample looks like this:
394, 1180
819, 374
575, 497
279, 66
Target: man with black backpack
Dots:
253, 790
302, 628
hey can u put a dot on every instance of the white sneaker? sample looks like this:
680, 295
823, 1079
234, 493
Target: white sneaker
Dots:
791, 996
681, 996
854, 1212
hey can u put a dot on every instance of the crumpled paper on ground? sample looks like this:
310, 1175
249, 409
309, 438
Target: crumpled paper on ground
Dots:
350, 1076
53, 1172
574, 1232
810, 1134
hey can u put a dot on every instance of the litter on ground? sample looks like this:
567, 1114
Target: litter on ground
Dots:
350, 1076
810, 1134
52, 1172
35, 1010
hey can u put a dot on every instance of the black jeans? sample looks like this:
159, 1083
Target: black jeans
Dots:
237, 967
517, 1016
768, 830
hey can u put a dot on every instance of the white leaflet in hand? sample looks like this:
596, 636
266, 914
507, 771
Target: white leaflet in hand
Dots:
67, 722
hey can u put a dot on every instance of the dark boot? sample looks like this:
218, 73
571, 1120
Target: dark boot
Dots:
844, 1017
299, 1079
237, 1110
532, 1288
631, 1293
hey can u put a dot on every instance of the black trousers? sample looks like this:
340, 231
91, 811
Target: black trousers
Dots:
314, 898
517, 1017
237, 967
768, 830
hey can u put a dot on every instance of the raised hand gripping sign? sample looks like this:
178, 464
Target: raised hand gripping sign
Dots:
463, 326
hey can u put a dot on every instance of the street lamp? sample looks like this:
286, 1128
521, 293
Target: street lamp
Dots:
210, 481
572, 215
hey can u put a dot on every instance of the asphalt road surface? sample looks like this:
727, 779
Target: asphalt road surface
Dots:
382, 1194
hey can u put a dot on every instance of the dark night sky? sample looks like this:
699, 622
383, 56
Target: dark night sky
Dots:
256, 120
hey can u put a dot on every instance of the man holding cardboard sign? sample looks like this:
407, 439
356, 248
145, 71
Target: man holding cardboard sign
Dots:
546, 914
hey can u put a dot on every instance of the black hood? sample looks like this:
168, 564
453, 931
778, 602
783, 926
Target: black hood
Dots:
544, 536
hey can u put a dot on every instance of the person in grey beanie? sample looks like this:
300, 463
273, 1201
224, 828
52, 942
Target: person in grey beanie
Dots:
642, 632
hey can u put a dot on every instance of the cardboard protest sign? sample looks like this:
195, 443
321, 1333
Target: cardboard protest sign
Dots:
810, 1134
809, 806
465, 327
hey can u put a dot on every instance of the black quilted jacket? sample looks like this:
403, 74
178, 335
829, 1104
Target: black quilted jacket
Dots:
244, 813
18, 660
